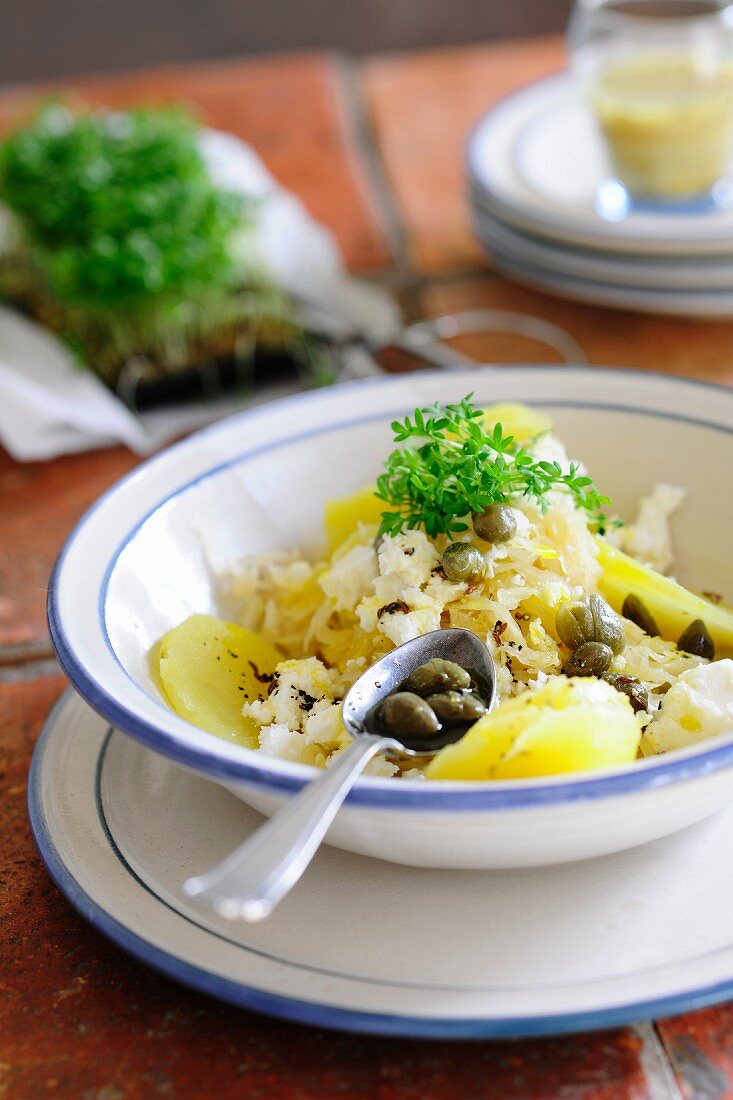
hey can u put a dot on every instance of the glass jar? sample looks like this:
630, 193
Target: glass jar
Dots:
658, 75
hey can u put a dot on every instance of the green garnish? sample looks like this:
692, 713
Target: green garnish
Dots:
116, 207
458, 466
122, 243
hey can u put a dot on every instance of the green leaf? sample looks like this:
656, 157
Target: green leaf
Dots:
454, 465
118, 209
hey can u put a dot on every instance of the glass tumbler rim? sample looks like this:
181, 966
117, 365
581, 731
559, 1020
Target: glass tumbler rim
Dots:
655, 12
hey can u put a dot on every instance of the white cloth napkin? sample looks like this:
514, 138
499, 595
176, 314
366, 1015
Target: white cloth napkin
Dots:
49, 405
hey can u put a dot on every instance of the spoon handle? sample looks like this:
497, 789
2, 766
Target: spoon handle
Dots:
261, 871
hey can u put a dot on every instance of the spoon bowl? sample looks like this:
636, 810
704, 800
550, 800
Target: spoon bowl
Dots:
382, 678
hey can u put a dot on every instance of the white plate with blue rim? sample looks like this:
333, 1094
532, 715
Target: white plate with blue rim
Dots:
368, 946
151, 550
650, 273
630, 294
536, 161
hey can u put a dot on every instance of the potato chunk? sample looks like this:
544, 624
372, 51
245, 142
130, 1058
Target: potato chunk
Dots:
521, 421
209, 668
342, 514
673, 606
566, 726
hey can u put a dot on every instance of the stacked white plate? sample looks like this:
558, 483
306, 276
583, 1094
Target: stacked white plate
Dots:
544, 205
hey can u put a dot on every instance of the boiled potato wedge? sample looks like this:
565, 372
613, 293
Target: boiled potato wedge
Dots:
209, 668
673, 606
342, 514
566, 726
521, 421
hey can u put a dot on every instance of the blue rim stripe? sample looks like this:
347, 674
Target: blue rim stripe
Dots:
311, 1013
439, 798
428, 987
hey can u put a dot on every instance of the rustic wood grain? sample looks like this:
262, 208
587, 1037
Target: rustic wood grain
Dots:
700, 1047
39, 504
422, 108
697, 349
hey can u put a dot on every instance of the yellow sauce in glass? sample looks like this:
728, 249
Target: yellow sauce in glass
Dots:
667, 123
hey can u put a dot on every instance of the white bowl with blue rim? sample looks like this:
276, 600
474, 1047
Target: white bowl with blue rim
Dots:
149, 553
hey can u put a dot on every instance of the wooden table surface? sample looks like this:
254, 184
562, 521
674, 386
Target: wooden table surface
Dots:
374, 151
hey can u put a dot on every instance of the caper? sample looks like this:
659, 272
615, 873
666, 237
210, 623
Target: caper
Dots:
406, 714
589, 659
437, 675
497, 523
635, 609
696, 640
590, 620
454, 707
636, 693
462, 562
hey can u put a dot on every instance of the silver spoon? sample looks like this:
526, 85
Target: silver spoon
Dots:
262, 870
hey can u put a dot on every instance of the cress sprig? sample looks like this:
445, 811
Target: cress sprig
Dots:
118, 208
455, 464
